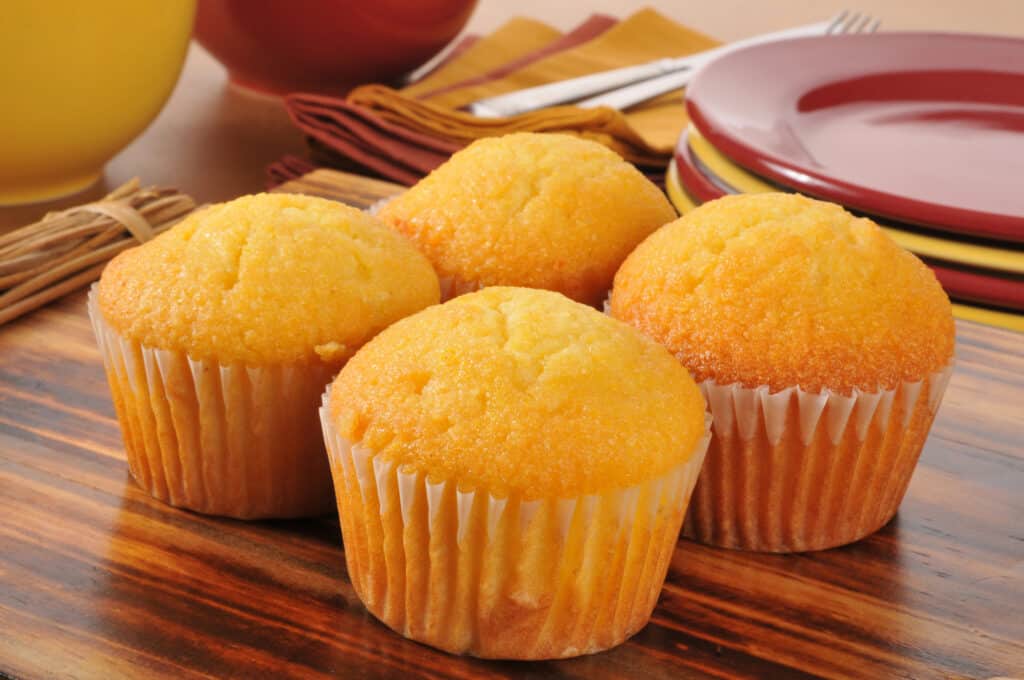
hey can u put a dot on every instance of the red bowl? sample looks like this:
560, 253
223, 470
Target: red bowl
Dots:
327, 46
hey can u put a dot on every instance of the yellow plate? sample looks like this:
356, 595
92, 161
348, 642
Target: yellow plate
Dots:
991, 317
928, 246
1014, 322
680, 199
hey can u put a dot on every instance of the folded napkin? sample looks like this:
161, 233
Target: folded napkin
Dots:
403, 134
288, 167
545, 41
516, 39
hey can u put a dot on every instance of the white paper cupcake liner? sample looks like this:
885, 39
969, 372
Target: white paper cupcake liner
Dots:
452, 287
472, 573
232, 440
795, 470
378, 205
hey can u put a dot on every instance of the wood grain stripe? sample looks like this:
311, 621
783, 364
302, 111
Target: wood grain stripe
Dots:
101, 581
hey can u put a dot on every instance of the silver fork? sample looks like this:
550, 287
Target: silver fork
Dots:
643, 82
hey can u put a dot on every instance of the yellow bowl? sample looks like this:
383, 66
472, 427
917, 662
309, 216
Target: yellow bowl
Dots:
80, 80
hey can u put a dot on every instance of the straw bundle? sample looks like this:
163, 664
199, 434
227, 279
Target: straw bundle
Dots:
68, 249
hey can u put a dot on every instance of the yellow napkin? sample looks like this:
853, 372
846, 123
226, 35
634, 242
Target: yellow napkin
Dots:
403, 134
517, 37
645, 134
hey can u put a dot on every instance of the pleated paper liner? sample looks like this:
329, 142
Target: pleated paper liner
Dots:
232, 440
472, 573
378, 205
452, 287
795, 471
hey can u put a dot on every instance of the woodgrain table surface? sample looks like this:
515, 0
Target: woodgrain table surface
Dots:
101, 581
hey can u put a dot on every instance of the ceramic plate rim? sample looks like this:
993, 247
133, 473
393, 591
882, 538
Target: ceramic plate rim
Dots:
783, 170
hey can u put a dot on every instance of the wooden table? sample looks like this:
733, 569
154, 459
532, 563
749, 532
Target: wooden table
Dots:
101, 581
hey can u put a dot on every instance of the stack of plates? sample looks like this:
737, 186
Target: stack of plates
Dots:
924, 133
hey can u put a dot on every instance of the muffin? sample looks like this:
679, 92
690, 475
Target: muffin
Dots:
219, 336
509, 482
537, 210
823, 350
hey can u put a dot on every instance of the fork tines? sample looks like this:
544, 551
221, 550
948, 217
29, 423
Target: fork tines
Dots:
847, 22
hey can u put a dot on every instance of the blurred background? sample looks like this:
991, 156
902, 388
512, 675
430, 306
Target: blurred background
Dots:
214, 142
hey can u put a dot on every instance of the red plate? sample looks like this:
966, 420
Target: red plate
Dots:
925, 128
696, 183
962, 283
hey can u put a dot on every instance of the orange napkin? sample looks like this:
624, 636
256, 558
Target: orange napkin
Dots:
516, 39
403, 134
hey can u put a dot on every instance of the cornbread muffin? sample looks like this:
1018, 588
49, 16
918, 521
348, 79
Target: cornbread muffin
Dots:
509, 481
537, 210
220, 334
823, 349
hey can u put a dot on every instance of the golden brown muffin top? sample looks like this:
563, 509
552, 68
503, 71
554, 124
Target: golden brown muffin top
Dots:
520, 390
783, 290
265, 279
538, 210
